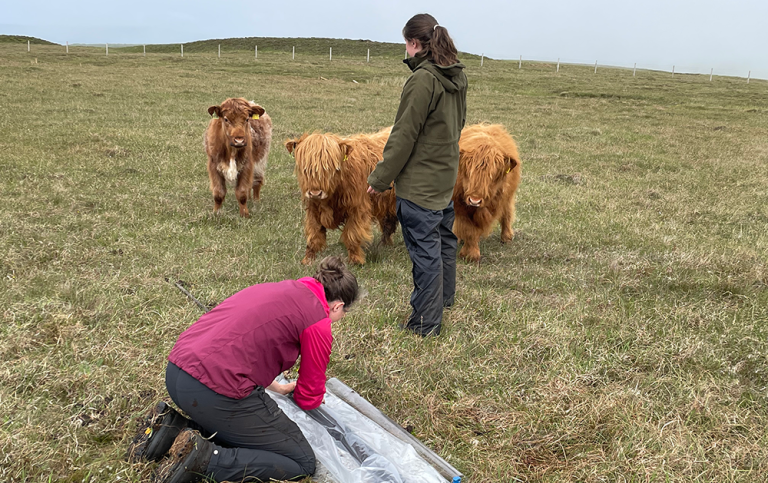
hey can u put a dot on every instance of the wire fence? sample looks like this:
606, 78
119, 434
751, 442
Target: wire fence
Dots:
368, 57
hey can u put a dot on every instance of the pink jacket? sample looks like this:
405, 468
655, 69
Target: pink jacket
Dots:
257, 333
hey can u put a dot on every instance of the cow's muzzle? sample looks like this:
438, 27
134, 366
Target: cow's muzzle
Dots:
476, 202
316, 194
238, 143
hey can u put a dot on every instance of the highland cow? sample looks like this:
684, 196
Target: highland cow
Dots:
332, 173
489, 174
237, 143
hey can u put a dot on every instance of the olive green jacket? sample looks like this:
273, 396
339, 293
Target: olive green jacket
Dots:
422, 153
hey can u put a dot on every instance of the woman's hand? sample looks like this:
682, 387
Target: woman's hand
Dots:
371, 191
283, 389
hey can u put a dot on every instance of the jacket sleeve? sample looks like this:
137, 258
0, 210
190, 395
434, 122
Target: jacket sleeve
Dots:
316, 341
464, 102
413, 111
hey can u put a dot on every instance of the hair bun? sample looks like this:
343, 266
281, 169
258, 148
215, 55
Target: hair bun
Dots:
339, 283
330, 269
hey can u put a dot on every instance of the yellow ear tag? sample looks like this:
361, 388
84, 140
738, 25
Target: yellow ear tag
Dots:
148, 431
345, 157
509, 169
255, 116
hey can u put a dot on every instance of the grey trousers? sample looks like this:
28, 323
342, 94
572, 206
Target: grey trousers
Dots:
431, 244
254, 440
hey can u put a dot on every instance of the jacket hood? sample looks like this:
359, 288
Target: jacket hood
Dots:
450, 76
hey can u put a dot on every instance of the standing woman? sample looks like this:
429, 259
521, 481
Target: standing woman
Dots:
218, 372
422, 158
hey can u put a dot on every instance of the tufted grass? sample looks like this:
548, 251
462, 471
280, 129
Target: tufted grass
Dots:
621, 336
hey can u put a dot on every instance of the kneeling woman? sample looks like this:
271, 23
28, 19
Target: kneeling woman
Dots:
219, 369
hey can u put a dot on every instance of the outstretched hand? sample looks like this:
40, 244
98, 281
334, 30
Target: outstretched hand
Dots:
371, 190
283, 389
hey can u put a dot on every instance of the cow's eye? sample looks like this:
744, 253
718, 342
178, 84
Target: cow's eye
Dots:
226, 120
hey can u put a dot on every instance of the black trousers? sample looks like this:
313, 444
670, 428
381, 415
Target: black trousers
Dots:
431, 244
254, 439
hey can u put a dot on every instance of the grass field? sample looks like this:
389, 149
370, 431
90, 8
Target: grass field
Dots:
621, 336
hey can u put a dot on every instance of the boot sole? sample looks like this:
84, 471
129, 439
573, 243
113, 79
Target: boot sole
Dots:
176, 468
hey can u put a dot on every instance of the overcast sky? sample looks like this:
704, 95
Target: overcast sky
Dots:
692, 35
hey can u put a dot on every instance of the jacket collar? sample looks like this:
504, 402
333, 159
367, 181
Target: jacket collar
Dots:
413, 63
316, 288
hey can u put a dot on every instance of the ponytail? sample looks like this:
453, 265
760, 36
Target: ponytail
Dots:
436, 44
339, 283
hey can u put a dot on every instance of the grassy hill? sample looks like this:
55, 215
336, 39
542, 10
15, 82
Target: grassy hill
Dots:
19, 39
312, 47
622, 335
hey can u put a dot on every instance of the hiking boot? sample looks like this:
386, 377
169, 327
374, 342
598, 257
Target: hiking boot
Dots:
188, 459
156, 434
419, 330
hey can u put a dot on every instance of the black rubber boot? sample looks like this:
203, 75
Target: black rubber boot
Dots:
188, 459
156, 434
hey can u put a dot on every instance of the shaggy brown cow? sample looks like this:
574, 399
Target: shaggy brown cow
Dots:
489, 174
237, 143
332, 172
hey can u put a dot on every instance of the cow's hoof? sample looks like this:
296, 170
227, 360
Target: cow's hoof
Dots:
307, 260
470, 255
507, 237
356, 260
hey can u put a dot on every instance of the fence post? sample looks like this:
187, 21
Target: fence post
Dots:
330, 54
595, 67
368, 57
182, 50
293, 53
482, 57
520, 65
145, 51
67, 46
27, 45
106, 46
255, 51
710, 74
673, 71
219, 51
634, 70
558, 64
748, 76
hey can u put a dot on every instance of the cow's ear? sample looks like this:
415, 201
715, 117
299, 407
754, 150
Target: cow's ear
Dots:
291, 144
346, 148
511, 163
256, 111
214, 110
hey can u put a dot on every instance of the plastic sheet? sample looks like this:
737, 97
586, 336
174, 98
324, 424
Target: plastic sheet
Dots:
352, 449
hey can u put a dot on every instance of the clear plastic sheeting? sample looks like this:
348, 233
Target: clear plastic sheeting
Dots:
353, 449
